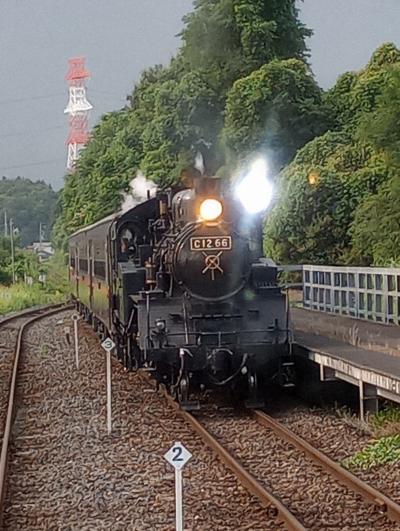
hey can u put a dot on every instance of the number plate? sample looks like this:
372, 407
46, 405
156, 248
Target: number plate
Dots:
211, 243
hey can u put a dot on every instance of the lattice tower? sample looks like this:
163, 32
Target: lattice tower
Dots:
77, 109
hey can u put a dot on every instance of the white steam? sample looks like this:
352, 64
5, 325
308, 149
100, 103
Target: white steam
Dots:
139, 189
199, 163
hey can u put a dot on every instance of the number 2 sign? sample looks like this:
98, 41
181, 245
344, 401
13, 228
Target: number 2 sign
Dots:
178, 456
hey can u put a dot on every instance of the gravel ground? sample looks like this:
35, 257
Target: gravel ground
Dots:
316, 498
339, 439
68, 474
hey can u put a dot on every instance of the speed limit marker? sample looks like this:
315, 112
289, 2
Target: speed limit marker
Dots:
108, 345
178, 456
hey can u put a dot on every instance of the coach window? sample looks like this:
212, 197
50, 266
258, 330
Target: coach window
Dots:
100, 269
99, 262
83, 265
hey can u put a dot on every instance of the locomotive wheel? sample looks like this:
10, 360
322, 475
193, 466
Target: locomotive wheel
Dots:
183, 396
183, 390
253, 401
133, 354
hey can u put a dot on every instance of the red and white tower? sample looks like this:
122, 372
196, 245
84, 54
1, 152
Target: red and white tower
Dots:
78, 108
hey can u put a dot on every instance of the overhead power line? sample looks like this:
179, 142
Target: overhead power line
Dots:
32, 98
25, 133
42, 162
58, 94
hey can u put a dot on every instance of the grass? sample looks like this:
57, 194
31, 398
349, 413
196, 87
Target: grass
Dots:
385, 448
381, 452
386, 422
20, 296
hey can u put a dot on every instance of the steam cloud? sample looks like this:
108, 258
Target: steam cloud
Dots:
139, 186
199, 163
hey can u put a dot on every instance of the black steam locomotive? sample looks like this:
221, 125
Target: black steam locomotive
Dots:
179, 282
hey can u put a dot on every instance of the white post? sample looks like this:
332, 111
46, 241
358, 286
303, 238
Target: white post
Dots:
178, 500
12, 250
109, 405
76, 343
108, 345
178, 456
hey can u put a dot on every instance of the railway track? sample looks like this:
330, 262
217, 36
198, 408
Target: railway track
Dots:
350, 501
12, 330
10, 327
66, 472
230, 437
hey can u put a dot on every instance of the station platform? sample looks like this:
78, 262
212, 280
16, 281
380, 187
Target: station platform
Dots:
369, 335
375, 372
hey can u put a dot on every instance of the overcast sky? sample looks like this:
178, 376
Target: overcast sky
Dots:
119, 39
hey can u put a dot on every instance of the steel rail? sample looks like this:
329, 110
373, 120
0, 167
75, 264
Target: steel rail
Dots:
39, 313
7, 318
246, 479
385, 504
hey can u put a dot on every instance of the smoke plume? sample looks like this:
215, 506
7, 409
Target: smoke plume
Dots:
139, 186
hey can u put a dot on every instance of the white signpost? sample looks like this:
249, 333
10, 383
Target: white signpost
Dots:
75, 319
108, 345
178, 456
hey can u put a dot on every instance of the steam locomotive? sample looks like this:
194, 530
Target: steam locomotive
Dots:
180, 283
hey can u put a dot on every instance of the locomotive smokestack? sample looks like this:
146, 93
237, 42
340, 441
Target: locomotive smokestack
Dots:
207, 187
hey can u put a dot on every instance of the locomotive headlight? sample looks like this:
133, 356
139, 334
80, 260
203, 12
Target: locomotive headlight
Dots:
255, 191
210, 209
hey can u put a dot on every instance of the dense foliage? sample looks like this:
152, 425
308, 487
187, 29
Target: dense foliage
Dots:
176, 111
336, 200
28, 204
376, 229
15, 297
240, 85
275, 110
25, 262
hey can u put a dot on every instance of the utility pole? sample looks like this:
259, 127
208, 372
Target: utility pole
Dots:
40, 236
5, 224
12, 250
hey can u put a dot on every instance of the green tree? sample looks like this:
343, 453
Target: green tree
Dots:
376, 228
25, 262
177, 110
228, 39
357, 93
318, 195
326, 206
276, 109
28, 203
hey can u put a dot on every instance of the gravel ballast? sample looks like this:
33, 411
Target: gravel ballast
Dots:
67, 473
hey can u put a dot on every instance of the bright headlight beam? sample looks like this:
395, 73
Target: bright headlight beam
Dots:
255, 191
210, 209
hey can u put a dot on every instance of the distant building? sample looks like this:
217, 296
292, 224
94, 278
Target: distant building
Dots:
44, 250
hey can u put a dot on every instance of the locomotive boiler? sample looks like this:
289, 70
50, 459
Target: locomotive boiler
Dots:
181, 285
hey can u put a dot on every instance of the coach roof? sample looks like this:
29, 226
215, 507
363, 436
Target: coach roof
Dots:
109, 219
